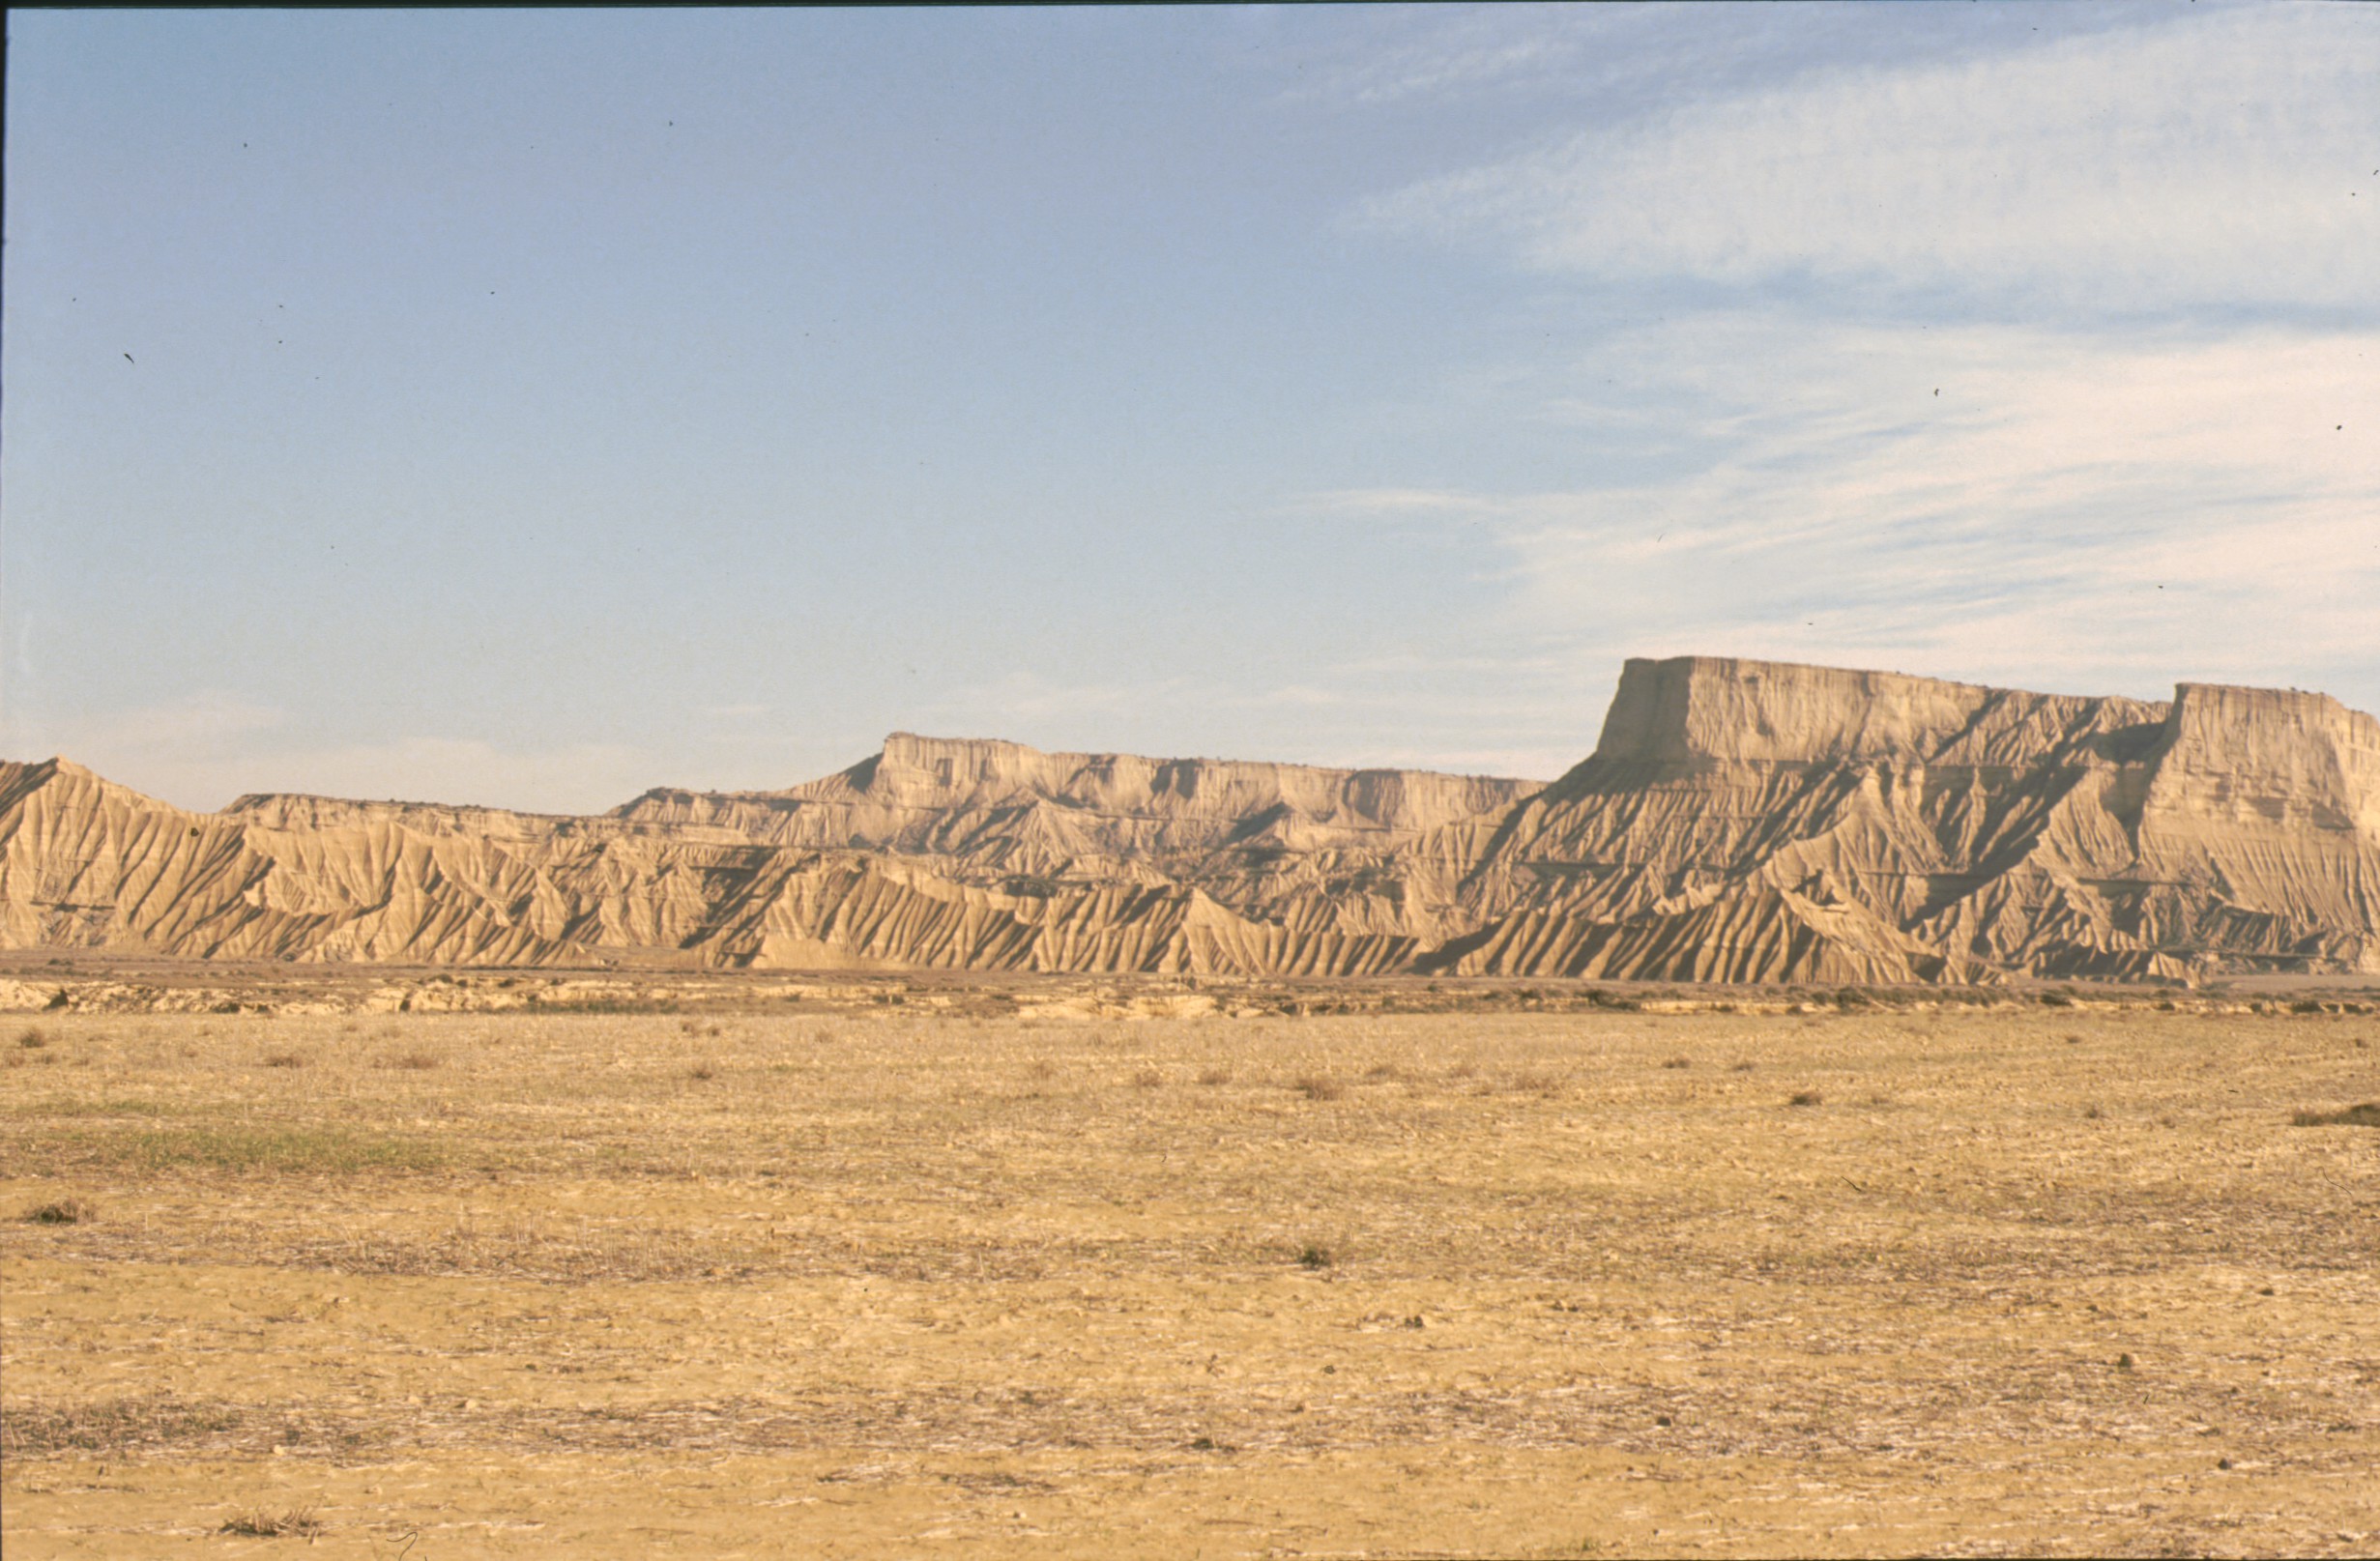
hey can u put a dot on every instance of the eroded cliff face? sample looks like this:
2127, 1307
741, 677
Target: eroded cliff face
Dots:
1738, 822
1755, 820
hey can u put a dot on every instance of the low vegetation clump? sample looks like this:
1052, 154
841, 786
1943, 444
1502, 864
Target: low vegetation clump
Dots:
2365, 1114
1318, 1086
297, 1522
1806, 1097
61, 1211
111, 1428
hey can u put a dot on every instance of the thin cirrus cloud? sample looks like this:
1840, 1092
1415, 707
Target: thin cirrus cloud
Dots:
2055, 364
2065, 509
2234, 160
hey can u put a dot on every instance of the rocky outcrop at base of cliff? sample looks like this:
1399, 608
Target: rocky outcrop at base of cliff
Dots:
1738, 822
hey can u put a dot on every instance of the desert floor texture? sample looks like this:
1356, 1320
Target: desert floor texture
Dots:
889, 1278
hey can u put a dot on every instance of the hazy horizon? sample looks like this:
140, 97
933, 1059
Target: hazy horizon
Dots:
531, 408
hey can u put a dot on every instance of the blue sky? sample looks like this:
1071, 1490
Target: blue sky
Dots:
531, 406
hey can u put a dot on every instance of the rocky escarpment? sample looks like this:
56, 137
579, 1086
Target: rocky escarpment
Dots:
1738, 822
1744, 819
964, 855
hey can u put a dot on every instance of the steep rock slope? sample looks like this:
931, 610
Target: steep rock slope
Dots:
932, 854
1748, 821
1738, 822
990, 809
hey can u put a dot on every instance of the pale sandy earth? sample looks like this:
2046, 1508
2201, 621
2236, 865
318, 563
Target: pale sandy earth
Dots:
861, 1278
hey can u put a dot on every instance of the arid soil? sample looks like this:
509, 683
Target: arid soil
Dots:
872, 1277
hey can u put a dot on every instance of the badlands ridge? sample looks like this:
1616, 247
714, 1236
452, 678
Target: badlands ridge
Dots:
1739, 821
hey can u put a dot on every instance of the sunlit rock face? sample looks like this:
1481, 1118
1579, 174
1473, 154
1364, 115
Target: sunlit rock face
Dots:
1738, 821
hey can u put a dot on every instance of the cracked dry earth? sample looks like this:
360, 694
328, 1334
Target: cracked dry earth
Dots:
2019, 1280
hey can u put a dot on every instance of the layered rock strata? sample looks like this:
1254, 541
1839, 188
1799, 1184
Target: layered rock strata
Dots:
1738, 822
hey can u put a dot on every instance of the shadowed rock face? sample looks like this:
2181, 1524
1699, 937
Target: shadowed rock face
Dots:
1738, 822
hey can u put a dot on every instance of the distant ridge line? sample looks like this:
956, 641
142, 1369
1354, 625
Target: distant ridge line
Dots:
1738, 821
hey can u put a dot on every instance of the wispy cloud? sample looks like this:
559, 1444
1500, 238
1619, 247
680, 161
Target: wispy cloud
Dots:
2232, 159
1985, 502
1465, 53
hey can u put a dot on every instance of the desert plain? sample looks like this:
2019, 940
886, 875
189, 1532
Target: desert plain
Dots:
411, 1267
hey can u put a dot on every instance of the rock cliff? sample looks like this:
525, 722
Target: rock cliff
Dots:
1738, 821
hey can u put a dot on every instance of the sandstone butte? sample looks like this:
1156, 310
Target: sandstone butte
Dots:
1738, 822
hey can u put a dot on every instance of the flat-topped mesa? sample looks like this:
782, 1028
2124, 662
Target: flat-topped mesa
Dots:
939, 771
1742, 821
1690, 708
949, 779
303, 810
2268, 757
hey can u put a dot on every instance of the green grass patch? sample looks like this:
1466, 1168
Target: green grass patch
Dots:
71, 1105
279, 1151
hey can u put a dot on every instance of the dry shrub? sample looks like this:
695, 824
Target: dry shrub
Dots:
1314, 1255
297, 1522
1318, 1086
64, 1211
1384, 1072
284, 1060
1215, 1076
2365, 1114
1532, 1081
33, 1040
108, 1428
1806, 1097
1149, 1079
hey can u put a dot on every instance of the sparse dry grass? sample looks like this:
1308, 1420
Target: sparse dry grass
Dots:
295, 1523
61, 1211
2366, 1114
886, 1281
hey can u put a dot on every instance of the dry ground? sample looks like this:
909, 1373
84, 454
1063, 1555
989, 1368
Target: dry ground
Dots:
2040, 1280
